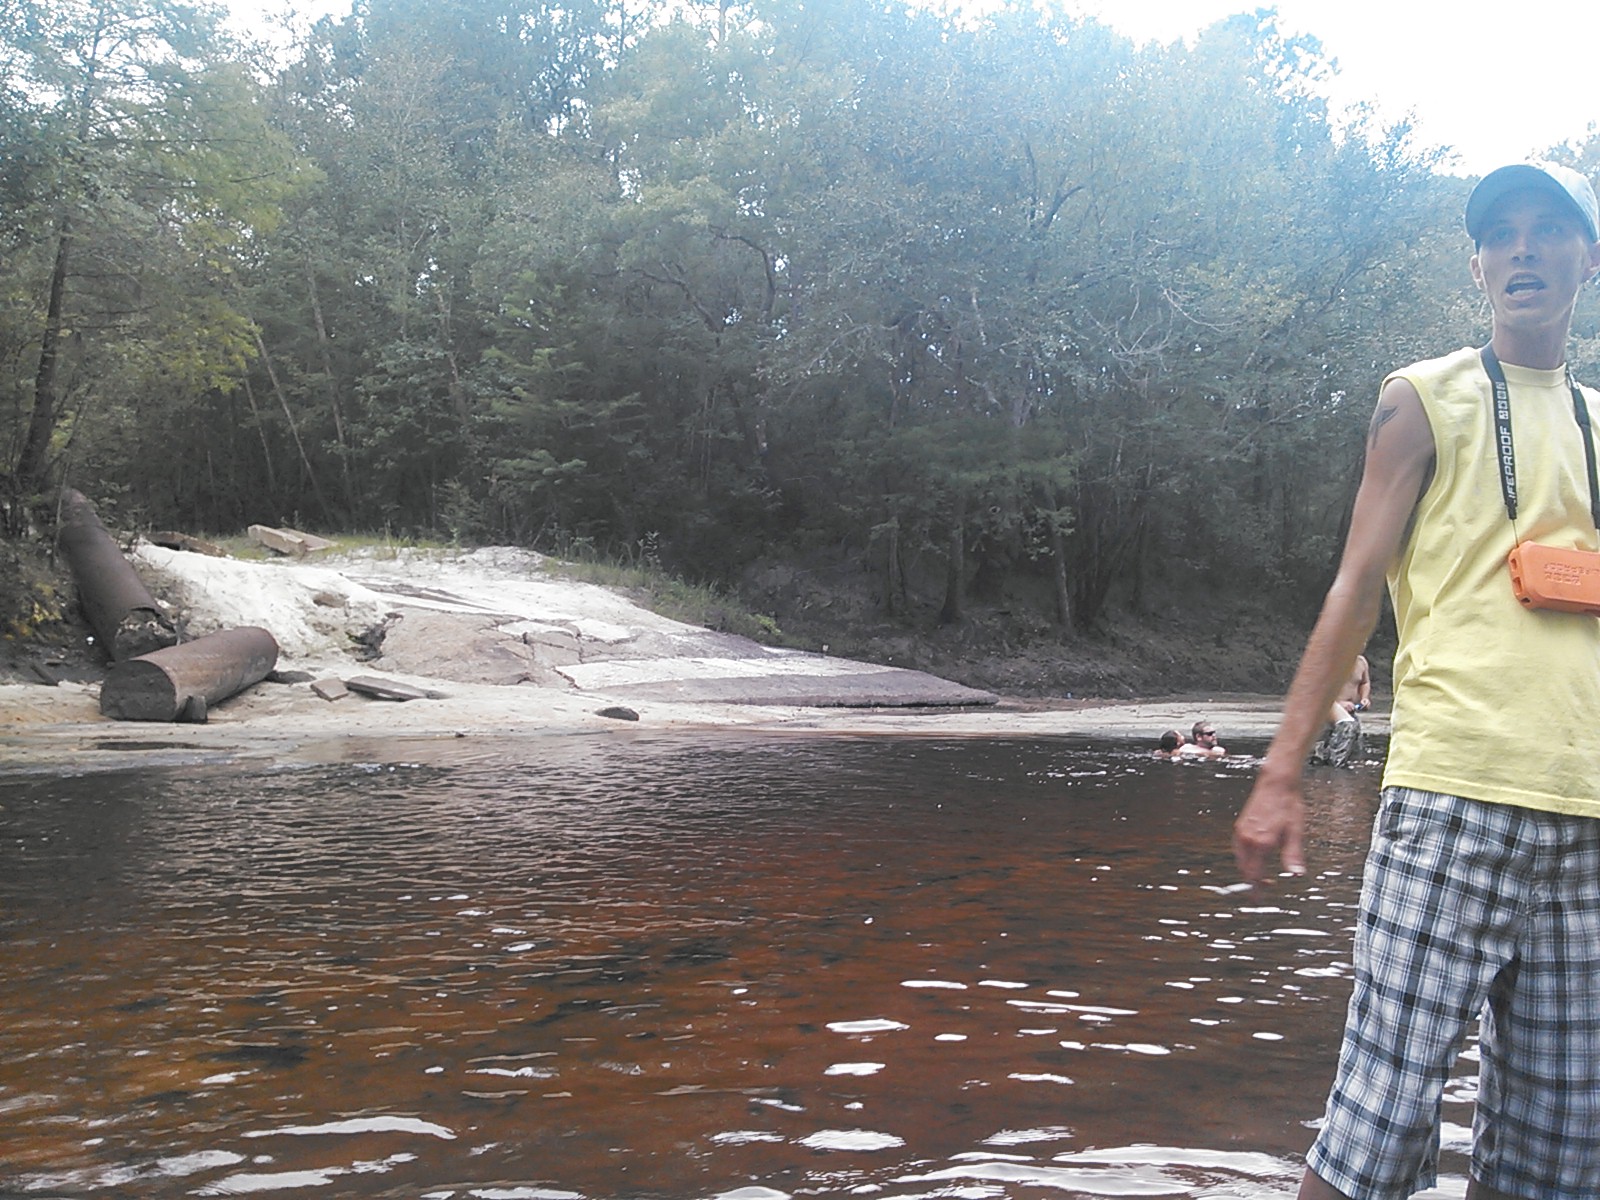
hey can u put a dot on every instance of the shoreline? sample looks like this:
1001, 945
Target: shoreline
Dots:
502, 647
61, 729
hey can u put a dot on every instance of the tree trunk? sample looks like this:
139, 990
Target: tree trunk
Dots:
1058, 574
33, 464
333, 387
294, 430
955, 578
261, 431
891, 570
1058, 562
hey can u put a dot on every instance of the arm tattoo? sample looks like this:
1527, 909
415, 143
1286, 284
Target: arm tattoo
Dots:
1384, 414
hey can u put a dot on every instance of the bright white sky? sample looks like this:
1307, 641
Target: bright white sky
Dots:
1495, 80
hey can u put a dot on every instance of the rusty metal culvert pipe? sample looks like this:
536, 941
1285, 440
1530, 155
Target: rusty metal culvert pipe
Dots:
121, 610
182, 683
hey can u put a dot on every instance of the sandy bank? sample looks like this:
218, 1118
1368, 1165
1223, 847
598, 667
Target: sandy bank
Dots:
62, 726
509, 649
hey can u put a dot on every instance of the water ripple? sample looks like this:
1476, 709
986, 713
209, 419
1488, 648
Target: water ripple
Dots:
726, 967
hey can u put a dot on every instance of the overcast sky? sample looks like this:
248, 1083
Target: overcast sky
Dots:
1496, 81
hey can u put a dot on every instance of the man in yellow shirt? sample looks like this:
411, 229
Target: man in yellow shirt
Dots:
1481, 893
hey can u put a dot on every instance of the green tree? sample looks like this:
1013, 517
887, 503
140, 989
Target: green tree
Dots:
421, 118
150, 166
1008, 309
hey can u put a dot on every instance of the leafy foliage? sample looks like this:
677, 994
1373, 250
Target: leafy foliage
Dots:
143, 169
1012, 309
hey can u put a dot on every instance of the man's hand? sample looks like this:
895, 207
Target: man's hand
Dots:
1271, 824
1399, 464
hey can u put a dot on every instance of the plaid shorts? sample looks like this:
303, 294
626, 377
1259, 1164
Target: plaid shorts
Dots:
1466, 909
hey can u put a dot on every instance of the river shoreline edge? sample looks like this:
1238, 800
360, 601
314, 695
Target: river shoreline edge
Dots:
60, 728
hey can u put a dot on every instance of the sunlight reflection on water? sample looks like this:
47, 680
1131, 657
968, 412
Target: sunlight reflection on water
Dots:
726, 966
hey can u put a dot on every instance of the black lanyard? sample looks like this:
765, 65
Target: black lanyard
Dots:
1503, 444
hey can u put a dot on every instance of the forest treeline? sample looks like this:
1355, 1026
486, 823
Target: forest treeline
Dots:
996, 309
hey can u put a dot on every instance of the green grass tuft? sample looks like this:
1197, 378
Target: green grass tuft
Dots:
669, 596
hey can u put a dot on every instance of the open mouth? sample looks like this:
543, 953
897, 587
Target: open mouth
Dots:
1524, 285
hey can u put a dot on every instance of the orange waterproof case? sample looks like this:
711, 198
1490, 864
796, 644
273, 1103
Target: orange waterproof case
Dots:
1556, 578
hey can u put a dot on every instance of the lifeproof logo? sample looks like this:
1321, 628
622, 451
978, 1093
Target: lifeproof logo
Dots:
1508, 462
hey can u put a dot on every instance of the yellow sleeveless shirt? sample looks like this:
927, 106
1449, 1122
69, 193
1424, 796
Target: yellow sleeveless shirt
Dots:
1493, 701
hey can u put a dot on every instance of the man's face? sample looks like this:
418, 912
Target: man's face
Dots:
1533, 257
1205, 737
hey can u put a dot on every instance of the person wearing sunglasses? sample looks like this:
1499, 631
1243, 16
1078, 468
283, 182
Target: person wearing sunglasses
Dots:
1205, 737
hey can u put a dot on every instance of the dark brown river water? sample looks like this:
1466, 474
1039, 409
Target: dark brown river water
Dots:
732, 967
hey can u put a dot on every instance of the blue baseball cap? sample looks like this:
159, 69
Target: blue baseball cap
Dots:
1543, 176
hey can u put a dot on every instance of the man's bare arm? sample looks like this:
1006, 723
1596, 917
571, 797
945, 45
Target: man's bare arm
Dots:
1399, 459
1381, 416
